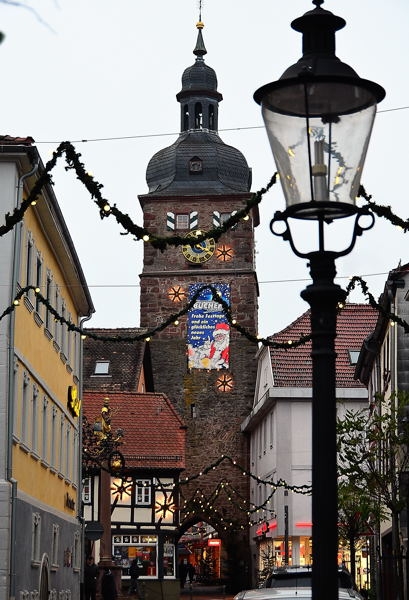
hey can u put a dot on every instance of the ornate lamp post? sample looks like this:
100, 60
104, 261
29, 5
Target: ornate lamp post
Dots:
319, 116
100, 449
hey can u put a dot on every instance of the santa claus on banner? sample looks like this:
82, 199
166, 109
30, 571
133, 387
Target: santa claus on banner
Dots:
220, 347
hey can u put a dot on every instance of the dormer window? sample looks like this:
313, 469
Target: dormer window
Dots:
353, 356
101, 367
195, 165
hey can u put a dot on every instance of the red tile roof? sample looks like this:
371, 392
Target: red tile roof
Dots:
154, 434
12, 141
293, 368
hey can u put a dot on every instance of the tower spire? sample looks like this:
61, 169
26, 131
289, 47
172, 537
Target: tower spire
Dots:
200, 48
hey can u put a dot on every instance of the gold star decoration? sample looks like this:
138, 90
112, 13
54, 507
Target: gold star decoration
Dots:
176, 293
224, 383
224, 253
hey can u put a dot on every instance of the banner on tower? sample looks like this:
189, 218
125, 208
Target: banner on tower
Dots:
208, 331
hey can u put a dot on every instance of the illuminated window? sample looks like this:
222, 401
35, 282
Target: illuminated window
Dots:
224, 253
224, 383
142, 491
121, 490
176, 293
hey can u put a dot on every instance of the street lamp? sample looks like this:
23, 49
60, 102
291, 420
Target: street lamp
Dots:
319, 116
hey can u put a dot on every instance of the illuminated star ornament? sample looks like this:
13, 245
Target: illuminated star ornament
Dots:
164, 504
224, 253
224, 383
176, 293
121, 489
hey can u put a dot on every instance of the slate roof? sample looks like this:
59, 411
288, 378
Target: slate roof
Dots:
225, 170
126, 360
154, 434
293, 368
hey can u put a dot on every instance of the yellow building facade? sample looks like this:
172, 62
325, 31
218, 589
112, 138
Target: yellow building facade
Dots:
40, 377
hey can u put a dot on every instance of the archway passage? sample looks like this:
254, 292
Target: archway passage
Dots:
208, 557
44, 584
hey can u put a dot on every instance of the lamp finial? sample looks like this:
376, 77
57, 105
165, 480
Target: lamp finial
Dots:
318, 2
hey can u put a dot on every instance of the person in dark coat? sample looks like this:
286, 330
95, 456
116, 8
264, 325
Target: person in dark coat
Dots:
90, 579
134, 572
108, 586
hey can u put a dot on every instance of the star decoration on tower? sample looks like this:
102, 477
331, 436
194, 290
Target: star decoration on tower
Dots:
224, 253
224, 383
176, 293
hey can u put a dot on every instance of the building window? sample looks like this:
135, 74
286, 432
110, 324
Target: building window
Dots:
101, 367
39, 280
76, 558
35, 538
44, 433
54, 437
141, 547
198, 115
121, 491
353, 356
182, 221
24, 409
195, 165
86, 490
55, 540
48, 287
61, 453
34, 420
143, 491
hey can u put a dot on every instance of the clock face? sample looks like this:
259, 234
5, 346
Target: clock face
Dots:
199, 252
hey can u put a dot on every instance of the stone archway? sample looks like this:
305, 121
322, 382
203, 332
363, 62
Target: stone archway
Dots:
44, 583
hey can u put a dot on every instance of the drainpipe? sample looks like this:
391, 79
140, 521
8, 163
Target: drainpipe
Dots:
80, 508
11, 383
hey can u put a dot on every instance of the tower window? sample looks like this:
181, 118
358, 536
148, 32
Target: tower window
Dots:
182, 221
195, 165
198, 116
211, 117
185, 117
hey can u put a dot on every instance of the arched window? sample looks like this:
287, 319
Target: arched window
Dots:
198, 116
212, 124
185, 117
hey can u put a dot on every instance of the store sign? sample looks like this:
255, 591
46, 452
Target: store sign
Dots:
69, 502
73, 403
214, 542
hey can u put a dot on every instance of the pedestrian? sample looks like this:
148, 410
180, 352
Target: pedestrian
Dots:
182, 573
90, 578
191, 572
108, 586
134, 571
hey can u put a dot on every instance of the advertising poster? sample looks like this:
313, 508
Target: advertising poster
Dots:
208, 330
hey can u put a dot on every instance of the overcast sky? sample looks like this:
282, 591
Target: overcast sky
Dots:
107, 71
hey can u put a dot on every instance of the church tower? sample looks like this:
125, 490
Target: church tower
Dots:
203, 365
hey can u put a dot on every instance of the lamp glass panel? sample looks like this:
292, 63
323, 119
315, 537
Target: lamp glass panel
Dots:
319, 158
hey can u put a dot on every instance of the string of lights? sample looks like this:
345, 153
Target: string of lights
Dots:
72, 159
173, 319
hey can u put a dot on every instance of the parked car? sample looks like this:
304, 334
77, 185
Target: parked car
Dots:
293, 579
291, 593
